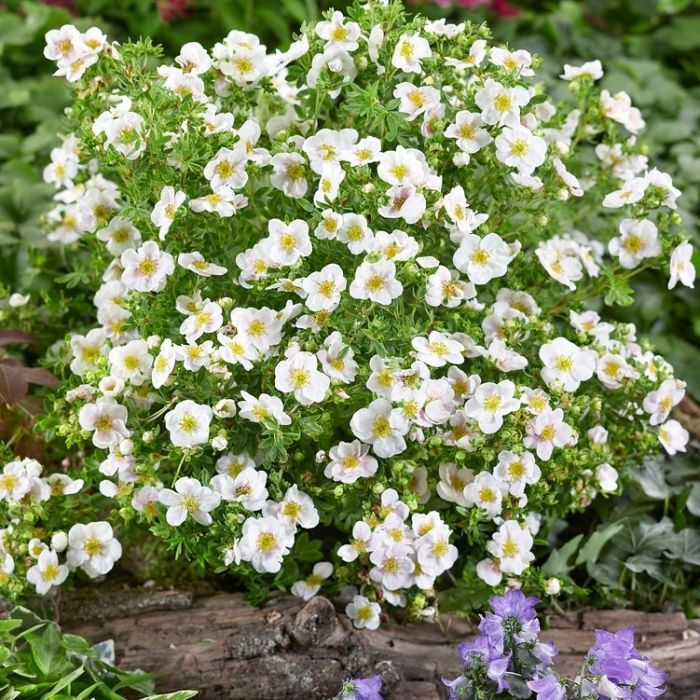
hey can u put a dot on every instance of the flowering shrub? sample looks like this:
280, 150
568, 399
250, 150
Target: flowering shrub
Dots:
353, 286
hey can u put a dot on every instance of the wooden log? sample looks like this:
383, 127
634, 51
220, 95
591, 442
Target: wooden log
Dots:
221, 646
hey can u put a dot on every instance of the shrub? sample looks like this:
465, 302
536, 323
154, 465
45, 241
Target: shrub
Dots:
353, 286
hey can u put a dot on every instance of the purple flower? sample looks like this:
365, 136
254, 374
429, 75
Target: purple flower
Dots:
361, 689
648, 681
611, 654
548, 688
512, 614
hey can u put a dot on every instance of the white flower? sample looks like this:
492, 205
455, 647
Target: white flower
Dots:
590, 69
247, 487
311, 585
299, 374
236, 349
490, 403
682, 268
188, 423
119, 235
14, 483
47, 572
261, 327
264, 543
227, 169
468, 131
486, 492
548, 430
263, 408
93, 548
405, 202
207, 320
415, 100
296, 509
355, 233
193, 58
500, 104
444, 288
363, 613
350, 461
381, 426
393, 567
165, 209
376, 282
131, 361
658, 404
612, 370
619, 108
87, 349
673, 436
196, 263
517, 470
638, 240
146, 268
107, 421
233, 464
365, 151
289, 174
632, 191
288, 242
323, 288
194, 356
483, 259
453, 482
518, 62
360, 543
437, 350
410, 50
191, 499
519, 148
606, 476
339, 32
511, 545
565, 364
489, 572
337, 359
327, 148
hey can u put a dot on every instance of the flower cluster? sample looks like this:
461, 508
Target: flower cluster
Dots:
90, 547
507, 660
354, 284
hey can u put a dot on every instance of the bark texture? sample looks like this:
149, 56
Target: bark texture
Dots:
221, 646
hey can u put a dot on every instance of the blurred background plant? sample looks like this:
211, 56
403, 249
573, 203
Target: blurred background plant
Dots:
641, 550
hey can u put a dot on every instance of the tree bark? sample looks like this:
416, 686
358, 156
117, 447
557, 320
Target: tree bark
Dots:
226, 649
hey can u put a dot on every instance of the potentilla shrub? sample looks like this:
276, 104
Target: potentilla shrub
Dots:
355, 288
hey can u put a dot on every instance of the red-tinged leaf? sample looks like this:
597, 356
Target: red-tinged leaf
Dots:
13, 385
10, 336
33, 405
39, 375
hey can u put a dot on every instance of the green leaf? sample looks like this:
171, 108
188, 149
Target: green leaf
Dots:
63, 683
685, 546
558, 562
693, 502
178, 695
590, 551
653, 481
46, 649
